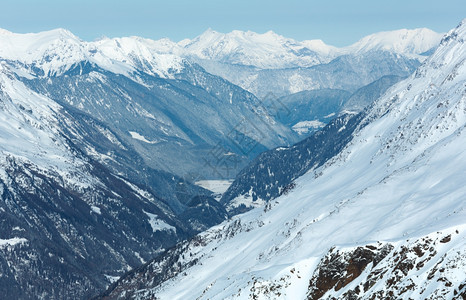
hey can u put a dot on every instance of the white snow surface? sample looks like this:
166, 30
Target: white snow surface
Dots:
415, 41
96, 209
157, 224
12, 242
216, 186
402, 177
140, 137
303, 127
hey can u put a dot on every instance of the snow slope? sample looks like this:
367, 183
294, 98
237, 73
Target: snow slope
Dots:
29, 131
384, 218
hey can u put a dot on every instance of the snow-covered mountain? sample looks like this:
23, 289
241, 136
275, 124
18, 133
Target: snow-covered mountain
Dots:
99, 143
404, 41
265, 51
385, 218
348, 72
272, 51
94, 135
240, 57
51, 53
248, 59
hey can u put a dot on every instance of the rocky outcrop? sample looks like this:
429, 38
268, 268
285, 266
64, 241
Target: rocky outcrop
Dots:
425, 267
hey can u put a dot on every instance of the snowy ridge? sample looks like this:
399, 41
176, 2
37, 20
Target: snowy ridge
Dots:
56, 51
53, 51
389, 209
136, 53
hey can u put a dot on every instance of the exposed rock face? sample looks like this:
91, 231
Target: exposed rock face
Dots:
418, 268
337, 269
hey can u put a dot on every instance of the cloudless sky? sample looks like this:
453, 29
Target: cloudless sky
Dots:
337, 22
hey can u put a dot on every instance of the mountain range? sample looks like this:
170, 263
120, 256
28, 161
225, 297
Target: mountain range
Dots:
272, 51
101, 143
254, 61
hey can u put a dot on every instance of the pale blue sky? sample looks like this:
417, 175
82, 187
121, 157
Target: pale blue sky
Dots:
338, 23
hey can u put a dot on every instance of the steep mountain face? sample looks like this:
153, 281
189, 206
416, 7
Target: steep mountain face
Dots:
383, 219
68, 224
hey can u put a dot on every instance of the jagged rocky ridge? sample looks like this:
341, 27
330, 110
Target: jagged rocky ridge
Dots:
384, 218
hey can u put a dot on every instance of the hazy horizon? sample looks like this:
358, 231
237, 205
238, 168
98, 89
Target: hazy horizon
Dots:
339, 23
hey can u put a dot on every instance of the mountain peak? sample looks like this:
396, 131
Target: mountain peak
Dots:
405, 41
60, 46
208, 33
62, 32
321, 47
